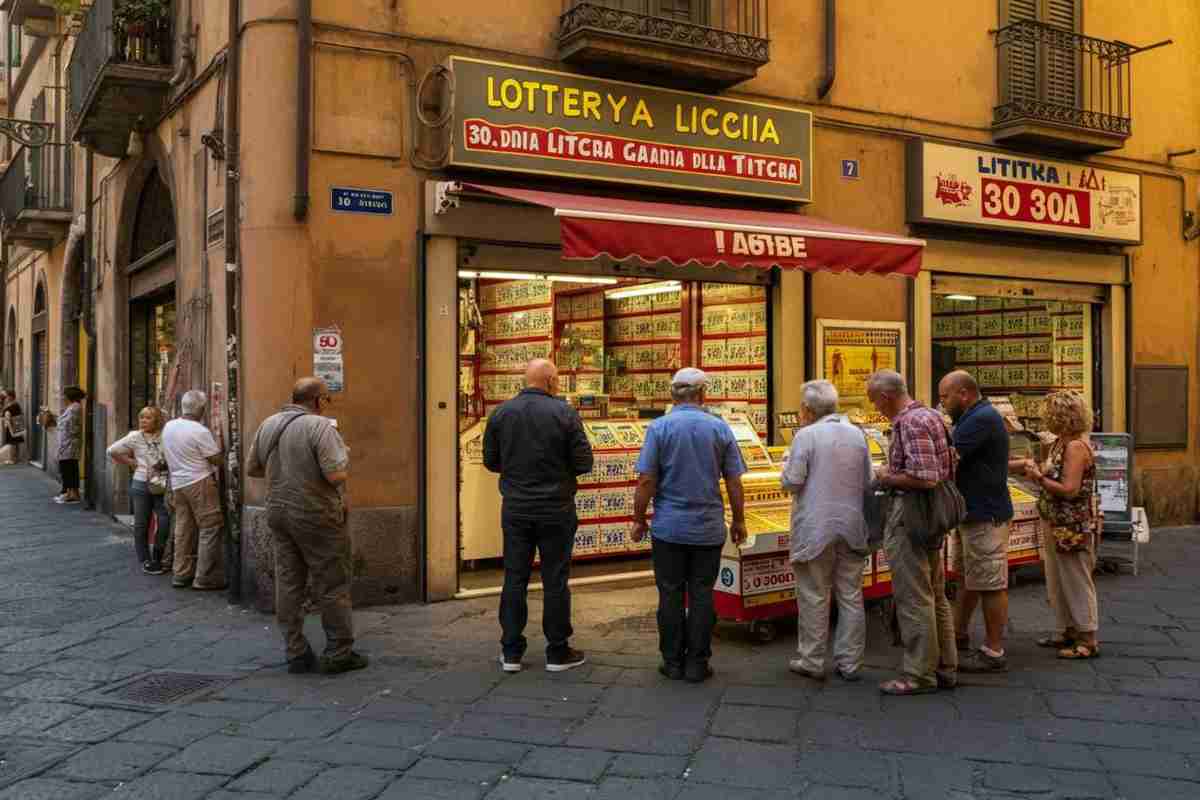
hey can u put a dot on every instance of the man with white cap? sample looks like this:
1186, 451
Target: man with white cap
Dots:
684, 458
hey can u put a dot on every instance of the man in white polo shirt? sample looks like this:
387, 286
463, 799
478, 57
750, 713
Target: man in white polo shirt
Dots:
191, 453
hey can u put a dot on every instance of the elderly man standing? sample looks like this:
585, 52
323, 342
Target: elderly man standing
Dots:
306, 464
981, 558
537, 444
827, 472
918, 459
684, 458
191, 453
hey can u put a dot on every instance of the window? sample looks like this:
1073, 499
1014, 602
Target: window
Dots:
680, 10
1044, 70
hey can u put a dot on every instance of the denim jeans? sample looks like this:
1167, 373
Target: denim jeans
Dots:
146, 503
685, 575
554, 539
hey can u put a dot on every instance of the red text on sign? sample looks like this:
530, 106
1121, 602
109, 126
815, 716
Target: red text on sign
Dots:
1045, 205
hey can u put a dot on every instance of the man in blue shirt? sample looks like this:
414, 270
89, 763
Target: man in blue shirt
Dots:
981, 559
684, 458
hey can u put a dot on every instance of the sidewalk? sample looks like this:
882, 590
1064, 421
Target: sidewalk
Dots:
434, 718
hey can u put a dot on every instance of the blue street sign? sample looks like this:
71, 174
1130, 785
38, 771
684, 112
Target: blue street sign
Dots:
361, 201
850, 168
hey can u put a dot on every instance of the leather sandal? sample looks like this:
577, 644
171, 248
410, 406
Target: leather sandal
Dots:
902, 687
1080, 652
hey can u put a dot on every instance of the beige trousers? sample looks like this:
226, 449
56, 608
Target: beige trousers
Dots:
199, 523
837, 571
305, 548
919, 590
1070, 585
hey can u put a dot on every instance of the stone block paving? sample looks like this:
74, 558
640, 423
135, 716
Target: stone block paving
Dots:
433, 718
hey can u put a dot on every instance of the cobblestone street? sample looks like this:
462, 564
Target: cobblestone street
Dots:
434, 718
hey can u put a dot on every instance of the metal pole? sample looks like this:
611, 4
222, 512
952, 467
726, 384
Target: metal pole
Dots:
233, 310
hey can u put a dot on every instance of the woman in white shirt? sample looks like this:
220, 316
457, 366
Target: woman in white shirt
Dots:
142, 451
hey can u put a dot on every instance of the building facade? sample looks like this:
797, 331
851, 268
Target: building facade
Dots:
1054, 196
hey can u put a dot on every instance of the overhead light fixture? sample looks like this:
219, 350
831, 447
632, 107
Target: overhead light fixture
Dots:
529, 276
966, 298
643, 291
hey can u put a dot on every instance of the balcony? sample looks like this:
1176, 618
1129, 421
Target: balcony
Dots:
1061, 90
696, 44
120, 73
35, 196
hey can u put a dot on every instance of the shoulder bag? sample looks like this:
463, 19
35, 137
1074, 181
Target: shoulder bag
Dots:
931, 514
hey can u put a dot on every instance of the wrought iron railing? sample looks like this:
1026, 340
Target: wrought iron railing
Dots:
37, 179
738, 28
1050, 74
110, 37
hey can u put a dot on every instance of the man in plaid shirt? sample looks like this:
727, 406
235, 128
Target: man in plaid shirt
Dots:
919, 458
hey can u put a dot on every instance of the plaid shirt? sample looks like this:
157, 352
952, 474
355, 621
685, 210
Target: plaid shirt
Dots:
920, 445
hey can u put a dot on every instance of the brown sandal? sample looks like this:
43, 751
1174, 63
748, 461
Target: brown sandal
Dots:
1080, 652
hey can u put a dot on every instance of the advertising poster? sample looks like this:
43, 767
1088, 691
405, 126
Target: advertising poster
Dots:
850, 352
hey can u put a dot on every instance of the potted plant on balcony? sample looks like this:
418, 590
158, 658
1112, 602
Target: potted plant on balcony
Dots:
139, 20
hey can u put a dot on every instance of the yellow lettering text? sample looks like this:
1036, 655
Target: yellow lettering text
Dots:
641, 114
492, 100
531, 88
680, 126
616, 104
591, 105
570, 105
730, 127
768, 132
550, 90
510, 94
709, 128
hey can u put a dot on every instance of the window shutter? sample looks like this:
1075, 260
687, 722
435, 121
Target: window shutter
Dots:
1062, 63
1022, 55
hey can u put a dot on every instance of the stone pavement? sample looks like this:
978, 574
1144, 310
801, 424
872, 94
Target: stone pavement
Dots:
434, 718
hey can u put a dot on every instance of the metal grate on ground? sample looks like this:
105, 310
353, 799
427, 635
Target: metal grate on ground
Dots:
160, 688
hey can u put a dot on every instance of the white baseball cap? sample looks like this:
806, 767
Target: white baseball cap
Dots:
690, 376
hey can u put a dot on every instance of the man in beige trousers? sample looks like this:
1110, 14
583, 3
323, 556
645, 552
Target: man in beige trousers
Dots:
191, 453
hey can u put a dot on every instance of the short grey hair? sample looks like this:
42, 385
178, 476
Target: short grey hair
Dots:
194, 403
889, 382
820, 398
686, 394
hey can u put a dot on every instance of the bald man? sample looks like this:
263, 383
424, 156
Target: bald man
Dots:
306, 463
537, 444
981, 558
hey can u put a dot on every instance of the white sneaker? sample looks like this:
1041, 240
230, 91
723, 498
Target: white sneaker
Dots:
509, 666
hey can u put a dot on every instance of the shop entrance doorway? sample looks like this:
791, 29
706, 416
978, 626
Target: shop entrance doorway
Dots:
616, 342
39, 374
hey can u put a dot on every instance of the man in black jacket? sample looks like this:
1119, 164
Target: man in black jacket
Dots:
537, 444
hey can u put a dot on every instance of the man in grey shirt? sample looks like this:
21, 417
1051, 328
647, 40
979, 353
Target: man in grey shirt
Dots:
827, 470
306, 463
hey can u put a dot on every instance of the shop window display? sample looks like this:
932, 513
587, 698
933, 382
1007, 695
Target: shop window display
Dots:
1018, 348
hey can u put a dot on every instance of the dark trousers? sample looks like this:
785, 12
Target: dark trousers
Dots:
146, 504
68, 470
554, 539
685, 575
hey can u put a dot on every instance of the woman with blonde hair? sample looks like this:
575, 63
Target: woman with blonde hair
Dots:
142, 450
1069, 506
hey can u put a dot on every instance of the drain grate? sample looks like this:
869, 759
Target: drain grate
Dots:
162, 688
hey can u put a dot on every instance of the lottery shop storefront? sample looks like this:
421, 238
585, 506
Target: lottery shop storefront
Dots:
619, 289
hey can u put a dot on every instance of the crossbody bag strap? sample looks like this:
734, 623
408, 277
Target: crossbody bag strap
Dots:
279, 435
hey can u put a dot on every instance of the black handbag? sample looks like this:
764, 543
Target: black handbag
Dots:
931, 514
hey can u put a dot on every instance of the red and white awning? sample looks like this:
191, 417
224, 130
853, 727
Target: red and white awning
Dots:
632, 229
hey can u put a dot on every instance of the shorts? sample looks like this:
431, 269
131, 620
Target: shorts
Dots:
981, 558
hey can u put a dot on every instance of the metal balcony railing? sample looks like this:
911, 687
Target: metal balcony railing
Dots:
111, 37
1052, 75
738, 28
37, 179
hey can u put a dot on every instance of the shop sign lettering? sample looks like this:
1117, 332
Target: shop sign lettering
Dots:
964, 186
529, 120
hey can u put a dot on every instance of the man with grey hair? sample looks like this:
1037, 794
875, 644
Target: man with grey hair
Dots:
827, 470
191, 453
919, 457
684, 458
